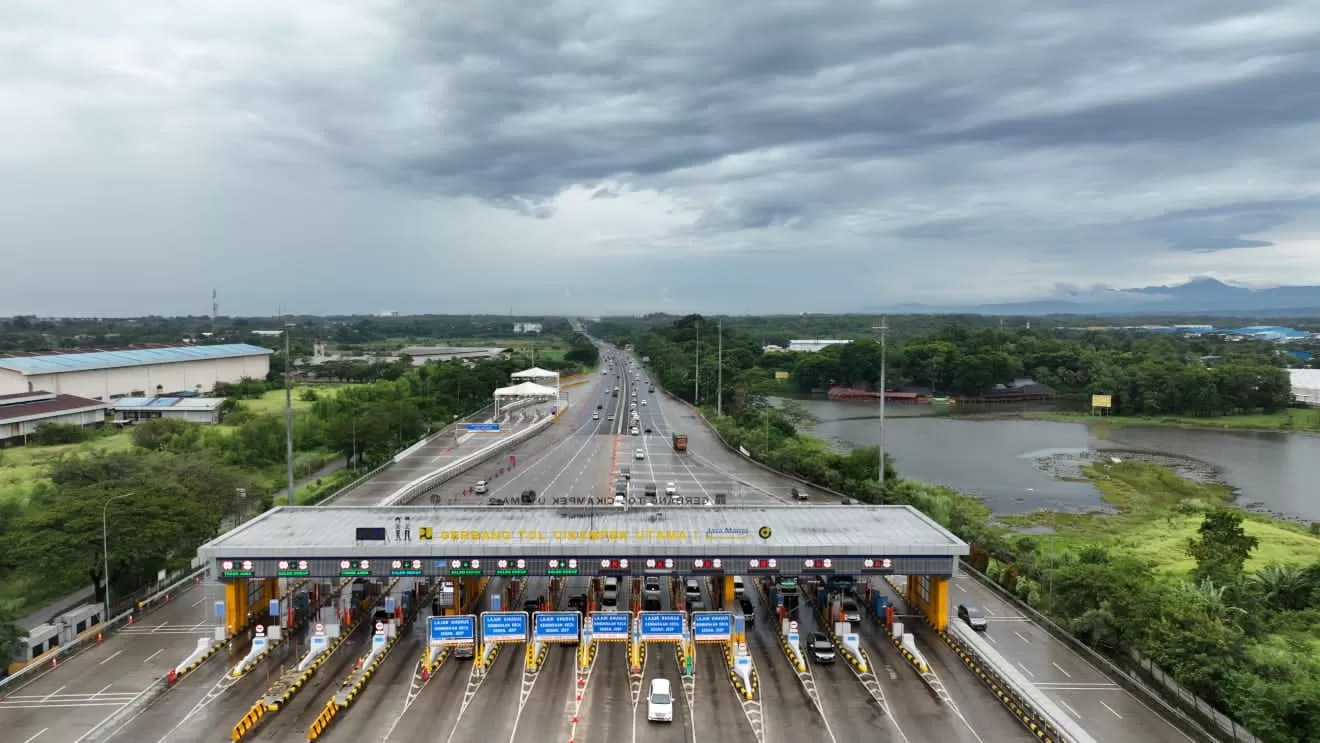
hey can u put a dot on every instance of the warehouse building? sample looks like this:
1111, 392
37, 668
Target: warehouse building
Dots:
135, 372
191, 409
21, 413
1306, 386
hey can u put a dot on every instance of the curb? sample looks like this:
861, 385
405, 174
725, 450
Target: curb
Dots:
1022, 710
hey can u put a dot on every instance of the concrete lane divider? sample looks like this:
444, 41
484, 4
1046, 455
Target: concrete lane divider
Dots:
322, 720
433, 479
248, 722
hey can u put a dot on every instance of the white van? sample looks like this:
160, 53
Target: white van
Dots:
739, 588
659, 702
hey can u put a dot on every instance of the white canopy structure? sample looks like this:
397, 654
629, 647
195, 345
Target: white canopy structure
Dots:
535, 372
527, 389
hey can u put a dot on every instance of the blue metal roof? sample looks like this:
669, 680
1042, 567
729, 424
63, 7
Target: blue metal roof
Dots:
69, 362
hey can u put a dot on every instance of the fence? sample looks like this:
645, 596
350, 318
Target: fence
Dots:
1198, 707
1190, 713
1179, 716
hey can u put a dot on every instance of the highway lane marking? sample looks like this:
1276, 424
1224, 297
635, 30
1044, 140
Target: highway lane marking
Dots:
1111, 709
153, 655
53, 693
959, 586
102, 691
198, 601
159, 626
1025, 669
116, 654
38, 735
1020, 637
1065, 673
1069, 708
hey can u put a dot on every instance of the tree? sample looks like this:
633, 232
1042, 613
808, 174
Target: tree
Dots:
1222, 548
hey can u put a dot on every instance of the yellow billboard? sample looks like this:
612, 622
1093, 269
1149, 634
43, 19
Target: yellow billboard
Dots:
781, 376
1102, 401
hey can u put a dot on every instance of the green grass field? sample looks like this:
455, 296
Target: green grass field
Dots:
1157, 512
1294, 419
273, 400
21, 467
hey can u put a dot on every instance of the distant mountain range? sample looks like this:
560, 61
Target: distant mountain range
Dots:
1202, 296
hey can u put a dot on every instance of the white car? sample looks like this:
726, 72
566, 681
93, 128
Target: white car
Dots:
643, 403
659, 702
634, 431
620, 501
480, 487
595, 416
671, 489
638, 454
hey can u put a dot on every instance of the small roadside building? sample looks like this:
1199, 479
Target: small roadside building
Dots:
22, 412
191, 409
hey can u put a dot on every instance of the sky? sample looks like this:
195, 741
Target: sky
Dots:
564, 157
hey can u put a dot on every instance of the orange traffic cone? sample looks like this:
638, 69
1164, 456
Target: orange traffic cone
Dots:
98, 636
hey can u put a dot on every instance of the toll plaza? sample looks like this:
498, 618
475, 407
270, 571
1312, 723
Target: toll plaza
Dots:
458, 550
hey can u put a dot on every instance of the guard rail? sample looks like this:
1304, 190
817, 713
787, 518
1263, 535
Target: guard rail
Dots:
429, 481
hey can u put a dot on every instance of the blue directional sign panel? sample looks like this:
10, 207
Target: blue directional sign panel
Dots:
557, 626
483, 427
610, 625
504, 626
459, 630
662, 625
711, 626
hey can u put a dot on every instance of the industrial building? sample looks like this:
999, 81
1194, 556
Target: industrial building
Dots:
1306, 386
22, 412
134, 372
807, 346
422, 354
191, 409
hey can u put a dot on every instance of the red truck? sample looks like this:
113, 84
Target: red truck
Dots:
680, 442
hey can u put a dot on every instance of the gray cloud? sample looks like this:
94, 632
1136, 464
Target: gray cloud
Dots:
841, 154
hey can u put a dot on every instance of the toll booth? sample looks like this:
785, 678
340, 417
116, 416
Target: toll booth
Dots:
42, 639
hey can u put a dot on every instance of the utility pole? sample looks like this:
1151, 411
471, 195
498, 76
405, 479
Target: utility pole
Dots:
696, 381
883, 327
105, 551
288, 408
719, 384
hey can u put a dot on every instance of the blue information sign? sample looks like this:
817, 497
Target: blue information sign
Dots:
459, 630
711, 626
507, 626
610, 625
662, 625
483, 427
557, 626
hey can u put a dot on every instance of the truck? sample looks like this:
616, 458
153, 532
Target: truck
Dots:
680, 442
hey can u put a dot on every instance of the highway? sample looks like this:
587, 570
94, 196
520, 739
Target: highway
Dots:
574, 460
1106, 710
65, 704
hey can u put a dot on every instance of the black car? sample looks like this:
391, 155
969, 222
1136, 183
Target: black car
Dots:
533, 605
748, 611
648, 430
578, 603
600, 407
820, 647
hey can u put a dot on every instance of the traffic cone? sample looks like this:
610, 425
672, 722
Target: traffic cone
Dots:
54, 662
98, 636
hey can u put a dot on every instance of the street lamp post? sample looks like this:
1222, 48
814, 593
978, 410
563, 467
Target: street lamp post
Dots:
883, 327
288, 409
105, 550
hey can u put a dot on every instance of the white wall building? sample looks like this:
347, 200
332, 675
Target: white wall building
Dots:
191, 409
141, 372
21, 413
812, 346
527, 327
1306, 386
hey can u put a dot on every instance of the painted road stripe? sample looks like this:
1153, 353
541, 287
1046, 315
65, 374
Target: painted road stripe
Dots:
1065, 673
153, 655
113, 655
38, 735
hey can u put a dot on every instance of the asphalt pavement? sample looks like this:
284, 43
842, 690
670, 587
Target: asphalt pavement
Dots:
67, 702
1104, 709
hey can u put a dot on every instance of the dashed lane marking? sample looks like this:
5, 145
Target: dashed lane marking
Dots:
38, 735
111, 657
152, 657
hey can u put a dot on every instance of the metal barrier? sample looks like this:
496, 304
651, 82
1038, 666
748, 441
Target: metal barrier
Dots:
88, 638
1178, 717
427, 482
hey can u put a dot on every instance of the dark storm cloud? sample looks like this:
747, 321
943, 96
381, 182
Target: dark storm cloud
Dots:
827, 151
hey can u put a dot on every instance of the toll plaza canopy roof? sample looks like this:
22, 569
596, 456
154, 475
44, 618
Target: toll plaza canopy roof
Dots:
535, 372
430, 541
527, 389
